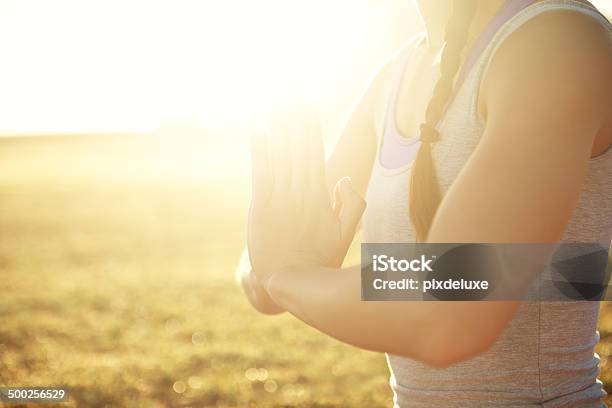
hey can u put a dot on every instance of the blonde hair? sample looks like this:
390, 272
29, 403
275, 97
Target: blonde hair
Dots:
424, 189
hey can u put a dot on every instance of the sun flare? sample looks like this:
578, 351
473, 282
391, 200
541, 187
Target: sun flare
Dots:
80, 66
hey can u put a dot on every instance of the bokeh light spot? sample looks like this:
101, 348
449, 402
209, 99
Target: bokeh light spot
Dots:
179, 387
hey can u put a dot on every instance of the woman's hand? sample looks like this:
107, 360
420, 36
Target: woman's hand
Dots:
292, 220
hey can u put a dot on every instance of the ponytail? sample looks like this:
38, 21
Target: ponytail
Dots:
425, 195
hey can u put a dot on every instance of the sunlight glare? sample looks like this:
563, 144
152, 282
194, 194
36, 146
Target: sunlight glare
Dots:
83, 66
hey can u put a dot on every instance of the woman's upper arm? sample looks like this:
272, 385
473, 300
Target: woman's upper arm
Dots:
548, 94
355, 151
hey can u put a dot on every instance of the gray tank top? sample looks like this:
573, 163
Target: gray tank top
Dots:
545, 357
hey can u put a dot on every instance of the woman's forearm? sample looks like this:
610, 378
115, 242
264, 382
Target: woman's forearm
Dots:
329, 300
436, 333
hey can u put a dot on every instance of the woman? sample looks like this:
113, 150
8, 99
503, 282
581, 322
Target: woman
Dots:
494, 127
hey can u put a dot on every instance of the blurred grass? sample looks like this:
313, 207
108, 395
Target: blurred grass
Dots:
117, 256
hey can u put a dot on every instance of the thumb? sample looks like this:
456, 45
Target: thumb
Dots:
348, 207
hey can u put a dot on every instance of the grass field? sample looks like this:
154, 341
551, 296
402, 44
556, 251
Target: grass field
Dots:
116, 279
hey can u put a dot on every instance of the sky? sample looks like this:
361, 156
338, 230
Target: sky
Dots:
84, 66
79, 66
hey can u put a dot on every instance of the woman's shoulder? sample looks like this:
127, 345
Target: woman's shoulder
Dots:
376, 92
554, 27
567, 44
394, 62
570, 17
381, 81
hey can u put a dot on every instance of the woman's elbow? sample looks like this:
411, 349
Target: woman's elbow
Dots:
447, 345
447, 355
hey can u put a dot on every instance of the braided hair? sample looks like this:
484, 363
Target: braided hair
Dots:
425, 195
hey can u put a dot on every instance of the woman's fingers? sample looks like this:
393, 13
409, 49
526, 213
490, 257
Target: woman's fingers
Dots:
349, 207
262, 180
300, 134
297, 157
281, 157
316, 155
